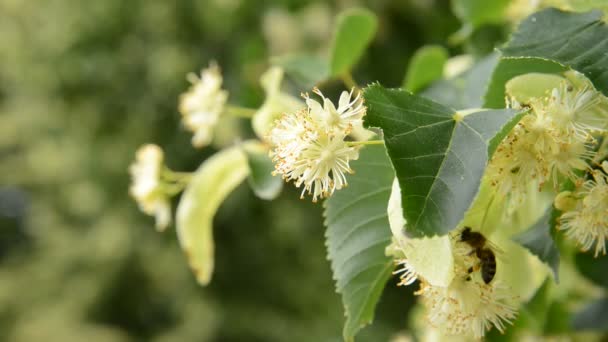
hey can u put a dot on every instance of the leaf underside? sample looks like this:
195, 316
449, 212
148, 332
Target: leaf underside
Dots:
538, 241
357, 235
439, 161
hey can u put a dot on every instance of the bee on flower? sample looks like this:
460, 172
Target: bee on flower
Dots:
147, 186
202, 105
309, 146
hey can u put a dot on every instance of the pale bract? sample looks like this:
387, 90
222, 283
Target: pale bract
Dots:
147, 187
277, 102
202, 105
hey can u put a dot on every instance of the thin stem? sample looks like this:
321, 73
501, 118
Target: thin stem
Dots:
241, 112
369, 142
349, 81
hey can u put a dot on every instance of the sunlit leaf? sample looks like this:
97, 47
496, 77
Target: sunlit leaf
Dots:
479, 12
439, 155
210, 185
425, 67
357, 235
355, 29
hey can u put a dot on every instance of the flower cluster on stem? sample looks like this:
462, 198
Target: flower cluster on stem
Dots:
309, 147
202, 104
552, 142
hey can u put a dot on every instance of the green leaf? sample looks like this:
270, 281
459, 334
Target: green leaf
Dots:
210, 185
594, 316
262, 182
465, 90
439, 155
306, 70
479, 12
354, 31
538, 241
425, 67
509, 68
593, 268
357, 235
575, 40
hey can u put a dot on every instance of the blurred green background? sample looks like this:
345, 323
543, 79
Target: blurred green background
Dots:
82, 85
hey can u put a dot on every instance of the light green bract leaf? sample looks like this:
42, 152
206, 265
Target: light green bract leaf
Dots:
439, 155
210, 185
354, 31
262, 182
424, 252
357, 235
575, 40
275, 104
308, 71
509, 68
533, 85
425, 67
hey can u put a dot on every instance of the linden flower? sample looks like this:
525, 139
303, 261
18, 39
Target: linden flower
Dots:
467, 306
146, 187
586, 220
348, 114
309, 147
315, 160
202, 105
572, 110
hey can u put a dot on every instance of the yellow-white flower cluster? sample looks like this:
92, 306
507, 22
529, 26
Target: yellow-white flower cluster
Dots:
147, 186
202, 104
309, 146
585, 212
552, 141
467, 306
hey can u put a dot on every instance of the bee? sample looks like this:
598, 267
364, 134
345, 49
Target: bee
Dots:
483, 251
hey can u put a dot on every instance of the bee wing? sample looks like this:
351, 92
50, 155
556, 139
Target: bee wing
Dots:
497, 250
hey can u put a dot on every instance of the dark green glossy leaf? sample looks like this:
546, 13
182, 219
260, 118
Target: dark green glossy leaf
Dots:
538, 241
308, 71
594, 269
594, 316
439, 155
262, 182
575, 40
357, 235
354, 31
425, 67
